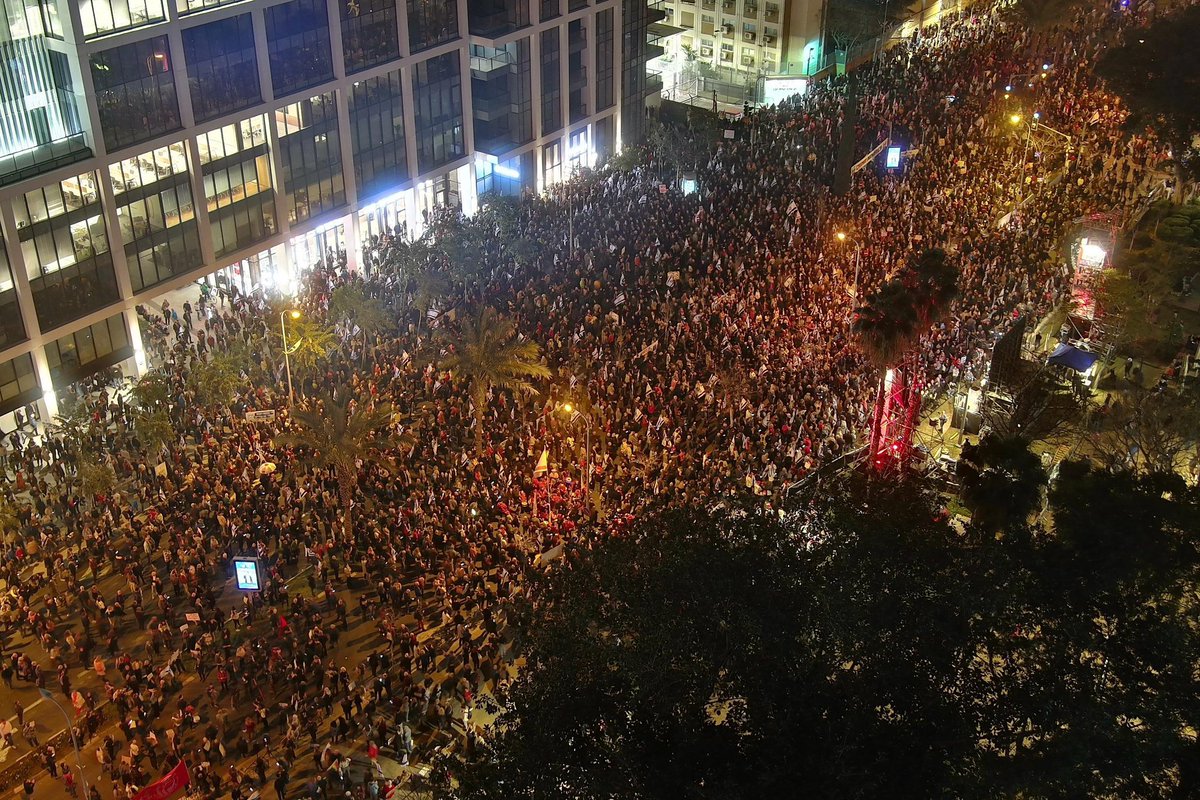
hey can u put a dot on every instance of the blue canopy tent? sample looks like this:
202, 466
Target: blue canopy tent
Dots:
1069, 356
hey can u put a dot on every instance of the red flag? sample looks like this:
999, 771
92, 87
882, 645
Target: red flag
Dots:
167, 785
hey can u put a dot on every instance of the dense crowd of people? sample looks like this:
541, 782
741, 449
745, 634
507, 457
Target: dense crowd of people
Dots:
705, 337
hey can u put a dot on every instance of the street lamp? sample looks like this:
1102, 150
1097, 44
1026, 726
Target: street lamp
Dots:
587, 446
74, 740
287, 361
842, 237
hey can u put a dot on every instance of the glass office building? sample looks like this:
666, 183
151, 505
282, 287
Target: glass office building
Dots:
146, 144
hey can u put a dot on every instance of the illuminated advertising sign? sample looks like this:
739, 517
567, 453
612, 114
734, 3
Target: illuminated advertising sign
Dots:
893, 158
776, 90
245, 570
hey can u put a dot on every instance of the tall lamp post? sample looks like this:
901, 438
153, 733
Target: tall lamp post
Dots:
74, 739
287, 361
587, 446
842, 236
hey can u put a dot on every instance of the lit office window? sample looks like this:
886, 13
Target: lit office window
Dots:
369, 33
85, 352
310, 156
431, 22
18, 383
437, 94
23, 19
40, 126
135, 92
65, 248
156, 215
221, 66
192, 6
99, 17
236, 166
377, 133
298, 42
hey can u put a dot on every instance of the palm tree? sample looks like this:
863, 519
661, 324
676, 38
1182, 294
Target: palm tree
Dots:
886, 329
354, 306
936, 281
1002, 482
487, 353
331, 436
309, 342
430, 285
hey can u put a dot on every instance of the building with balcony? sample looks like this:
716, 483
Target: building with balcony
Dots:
735, 43
147, 144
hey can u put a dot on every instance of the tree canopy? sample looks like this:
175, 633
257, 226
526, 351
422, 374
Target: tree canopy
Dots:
859, 646
1156, 73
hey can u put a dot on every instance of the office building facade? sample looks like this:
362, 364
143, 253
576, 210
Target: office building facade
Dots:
145, 144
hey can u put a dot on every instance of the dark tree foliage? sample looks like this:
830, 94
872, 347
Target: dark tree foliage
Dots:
1002, 481
1156, 72
861, 648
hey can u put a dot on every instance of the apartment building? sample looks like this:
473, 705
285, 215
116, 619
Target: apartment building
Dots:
145, 144
744, 40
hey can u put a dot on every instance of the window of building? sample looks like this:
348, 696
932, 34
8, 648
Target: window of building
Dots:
23, 19
552, 113
85, 352
310, 156
771, 12
18, 383
501, 96
135, 92
156, 214
221, 66
12, 329
576, 5
437, 94
236, 168
688, 19
707, 23
706, 49
41, 128
192, 6
377, 134
493, 18
431, 22
298, 41
99, 17
552, 164
550, 9
604, 59
64, 244
726, 53
369, 33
